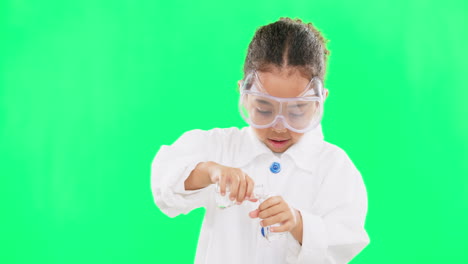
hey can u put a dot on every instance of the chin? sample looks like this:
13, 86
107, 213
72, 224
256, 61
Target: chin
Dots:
277, 149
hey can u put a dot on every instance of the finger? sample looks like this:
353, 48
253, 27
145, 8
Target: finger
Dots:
271, 211
242, 188
270, 202
250, 187
214, 171
222, 185
234, 186
254, 213
284, 227
276, 219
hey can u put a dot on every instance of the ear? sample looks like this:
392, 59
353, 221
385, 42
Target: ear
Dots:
326, 94
239, 85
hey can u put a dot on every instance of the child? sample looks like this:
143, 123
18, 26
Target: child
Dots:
286, 183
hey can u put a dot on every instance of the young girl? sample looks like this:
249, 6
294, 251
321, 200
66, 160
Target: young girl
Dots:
294, 198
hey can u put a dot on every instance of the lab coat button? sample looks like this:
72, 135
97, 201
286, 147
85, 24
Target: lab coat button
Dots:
275, 167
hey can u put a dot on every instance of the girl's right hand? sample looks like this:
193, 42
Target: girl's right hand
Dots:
240, 184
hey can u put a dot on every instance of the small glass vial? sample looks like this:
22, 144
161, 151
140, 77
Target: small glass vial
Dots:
223, 202
265, 231
271, 236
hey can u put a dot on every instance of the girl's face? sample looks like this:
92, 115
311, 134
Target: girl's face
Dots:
281, 82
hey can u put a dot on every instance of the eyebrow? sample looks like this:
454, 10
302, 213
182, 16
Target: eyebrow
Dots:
268, 103
298, 105
263, 101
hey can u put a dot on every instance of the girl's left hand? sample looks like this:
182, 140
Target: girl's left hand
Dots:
275, 210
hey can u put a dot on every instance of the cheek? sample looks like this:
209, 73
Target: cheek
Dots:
296, 136
261, 133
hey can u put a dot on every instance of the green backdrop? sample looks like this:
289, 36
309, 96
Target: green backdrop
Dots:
89, 91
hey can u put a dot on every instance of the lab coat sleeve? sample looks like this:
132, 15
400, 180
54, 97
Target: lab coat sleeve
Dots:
333, 229
171, 167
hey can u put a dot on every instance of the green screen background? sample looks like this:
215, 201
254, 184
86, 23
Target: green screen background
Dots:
89, 91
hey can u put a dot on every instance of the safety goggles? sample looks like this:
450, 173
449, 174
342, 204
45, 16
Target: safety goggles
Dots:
299, 114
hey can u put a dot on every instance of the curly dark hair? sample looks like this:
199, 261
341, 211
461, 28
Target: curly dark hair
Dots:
288, 43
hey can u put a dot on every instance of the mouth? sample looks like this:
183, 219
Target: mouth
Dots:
278, 143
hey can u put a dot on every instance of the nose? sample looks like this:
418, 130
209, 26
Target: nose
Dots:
279, 126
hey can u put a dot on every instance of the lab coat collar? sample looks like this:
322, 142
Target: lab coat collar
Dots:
303, 153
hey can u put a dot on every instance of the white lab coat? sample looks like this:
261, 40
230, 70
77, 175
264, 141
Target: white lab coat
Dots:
316, 177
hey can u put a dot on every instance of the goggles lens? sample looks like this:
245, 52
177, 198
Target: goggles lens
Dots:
261, 110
